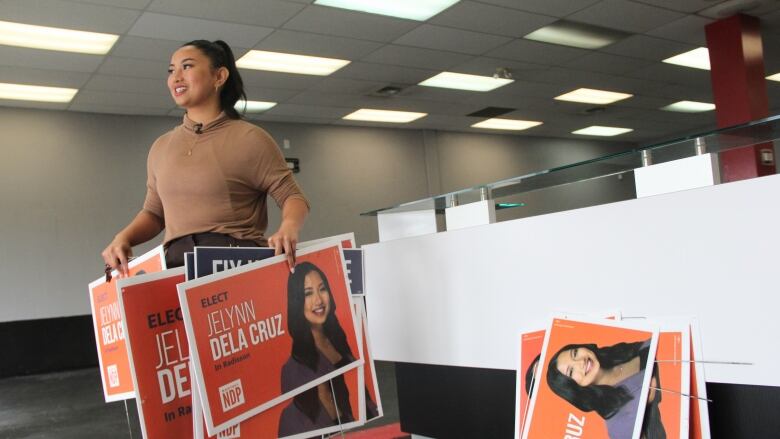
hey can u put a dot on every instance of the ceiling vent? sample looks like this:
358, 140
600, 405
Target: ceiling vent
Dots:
489, 112
388, 91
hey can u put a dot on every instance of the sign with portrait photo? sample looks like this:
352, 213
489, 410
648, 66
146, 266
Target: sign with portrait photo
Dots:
593, 380
109, 330
260, 335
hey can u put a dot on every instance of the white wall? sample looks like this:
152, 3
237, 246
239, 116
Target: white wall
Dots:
69, 181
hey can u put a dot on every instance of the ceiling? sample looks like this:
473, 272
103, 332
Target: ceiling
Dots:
474, 37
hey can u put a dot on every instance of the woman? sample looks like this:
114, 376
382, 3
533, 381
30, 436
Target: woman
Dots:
208, 178
319, 347
607, 380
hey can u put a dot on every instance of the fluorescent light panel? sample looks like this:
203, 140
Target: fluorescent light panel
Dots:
371, 115
461, 81
53, 38
584, 36
21, 92
254, 106
419, 10
775, 77
289, 63
602, 131
592, 96
506, 124
696, 58
689, 107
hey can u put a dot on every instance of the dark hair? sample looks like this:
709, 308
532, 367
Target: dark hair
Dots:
530, 375
605, 400
303, 348
221, 56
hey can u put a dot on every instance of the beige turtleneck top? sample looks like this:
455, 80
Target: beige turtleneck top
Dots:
215, 177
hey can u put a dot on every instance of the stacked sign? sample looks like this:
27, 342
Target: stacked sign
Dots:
239, 346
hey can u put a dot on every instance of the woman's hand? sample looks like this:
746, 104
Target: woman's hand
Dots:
117, 254
284, 241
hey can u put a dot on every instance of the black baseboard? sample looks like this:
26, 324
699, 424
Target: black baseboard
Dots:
459, 402
47, 345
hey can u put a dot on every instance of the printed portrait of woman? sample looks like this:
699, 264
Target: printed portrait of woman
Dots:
608, 380
319, 347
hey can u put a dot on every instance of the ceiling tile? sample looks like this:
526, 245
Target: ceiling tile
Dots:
416, 57
69, 15
348, 86
681, 5
129, 4
159, 100
555, 8
129, 46
265, 117
487, 66
606, 63
649, 48
141, 68
114, 109
51, 78
305, 43
259, 78
534, 52
48, 59
625, 15
729, 8
315, 111
489, 19
384, 73
171, 27
453, 40
689, 29
530, 89
674, 74
260, 93
128, 84
272, 13
345, 23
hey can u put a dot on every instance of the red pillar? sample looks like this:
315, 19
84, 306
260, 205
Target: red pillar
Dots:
739, 88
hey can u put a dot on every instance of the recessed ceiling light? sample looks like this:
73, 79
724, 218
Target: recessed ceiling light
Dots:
20, 92
460, 81
419, 10
591, 96
696, 58
775, 77
370, 115
53, 38
506, 124
602, 131
584, 36
689, 107
289, 63
254, 106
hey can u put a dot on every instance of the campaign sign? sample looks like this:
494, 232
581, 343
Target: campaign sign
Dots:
347, 241
260, 335
210, 260
189, 265
372, 400
354, 260
530, 352
593, 380
109, 331
270, 422
159, 353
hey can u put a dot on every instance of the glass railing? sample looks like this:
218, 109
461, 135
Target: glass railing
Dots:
517, 193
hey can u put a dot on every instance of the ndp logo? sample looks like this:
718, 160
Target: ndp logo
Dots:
231, 395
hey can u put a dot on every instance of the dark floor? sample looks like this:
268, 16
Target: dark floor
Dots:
69, 405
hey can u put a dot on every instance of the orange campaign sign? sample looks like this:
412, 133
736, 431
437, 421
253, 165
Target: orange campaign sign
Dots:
159, 354
109, 331
260, 335
530, 351
673, 376
699, 425
593, 380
